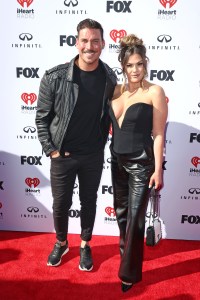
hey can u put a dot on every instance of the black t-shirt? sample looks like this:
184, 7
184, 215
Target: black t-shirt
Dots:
83, 134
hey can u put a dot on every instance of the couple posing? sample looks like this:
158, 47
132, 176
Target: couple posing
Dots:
76, 103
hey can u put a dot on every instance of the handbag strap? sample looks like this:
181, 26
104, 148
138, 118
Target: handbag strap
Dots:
154, 206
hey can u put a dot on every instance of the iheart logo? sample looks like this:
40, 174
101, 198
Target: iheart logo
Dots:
170, 2
29, 97
195, 161
28, 2
32, 181
115, 34
110, 211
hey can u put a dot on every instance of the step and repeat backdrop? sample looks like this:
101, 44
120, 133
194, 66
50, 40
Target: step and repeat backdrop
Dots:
37, 35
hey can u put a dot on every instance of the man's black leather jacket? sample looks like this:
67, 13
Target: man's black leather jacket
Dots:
56, 101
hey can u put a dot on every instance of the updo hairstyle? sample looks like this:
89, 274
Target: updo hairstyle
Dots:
130, 45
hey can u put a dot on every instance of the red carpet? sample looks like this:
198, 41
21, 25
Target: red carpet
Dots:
171, 270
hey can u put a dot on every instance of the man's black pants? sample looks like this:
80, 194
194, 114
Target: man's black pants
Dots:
88, 169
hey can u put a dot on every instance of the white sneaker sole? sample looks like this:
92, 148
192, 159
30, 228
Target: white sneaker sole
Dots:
84, 269
50, 265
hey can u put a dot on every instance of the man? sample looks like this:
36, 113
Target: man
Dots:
73, 123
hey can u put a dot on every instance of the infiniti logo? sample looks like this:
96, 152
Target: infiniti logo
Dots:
75, 185
194, 191
119, 74
71, 2
30, 129
164, 38
118, 71
72, 5
109, 160
33, 209
25, 36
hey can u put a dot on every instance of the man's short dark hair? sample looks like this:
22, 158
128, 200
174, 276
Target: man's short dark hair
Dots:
92, 24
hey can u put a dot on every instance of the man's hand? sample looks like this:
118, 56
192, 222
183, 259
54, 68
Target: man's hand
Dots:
55, 154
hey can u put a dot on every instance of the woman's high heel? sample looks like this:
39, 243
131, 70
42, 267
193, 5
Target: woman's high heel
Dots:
126, 287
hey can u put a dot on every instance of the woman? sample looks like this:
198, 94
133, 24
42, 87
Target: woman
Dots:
138, 112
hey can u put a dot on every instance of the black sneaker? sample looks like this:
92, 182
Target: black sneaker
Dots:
86, 263
55, 256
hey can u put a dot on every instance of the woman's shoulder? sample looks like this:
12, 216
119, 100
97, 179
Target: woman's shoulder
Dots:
155, 91
157, 95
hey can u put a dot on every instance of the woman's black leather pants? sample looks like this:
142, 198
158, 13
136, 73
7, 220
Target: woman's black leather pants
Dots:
130, 179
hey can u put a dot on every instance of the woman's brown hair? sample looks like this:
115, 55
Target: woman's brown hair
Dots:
130, 45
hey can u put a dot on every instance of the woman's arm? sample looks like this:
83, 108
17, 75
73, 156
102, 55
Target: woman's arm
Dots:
160, 111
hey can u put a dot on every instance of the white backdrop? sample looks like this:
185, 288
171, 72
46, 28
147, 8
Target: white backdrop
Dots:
37, 35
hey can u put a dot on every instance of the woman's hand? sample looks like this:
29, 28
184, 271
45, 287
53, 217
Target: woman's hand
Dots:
156, 181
